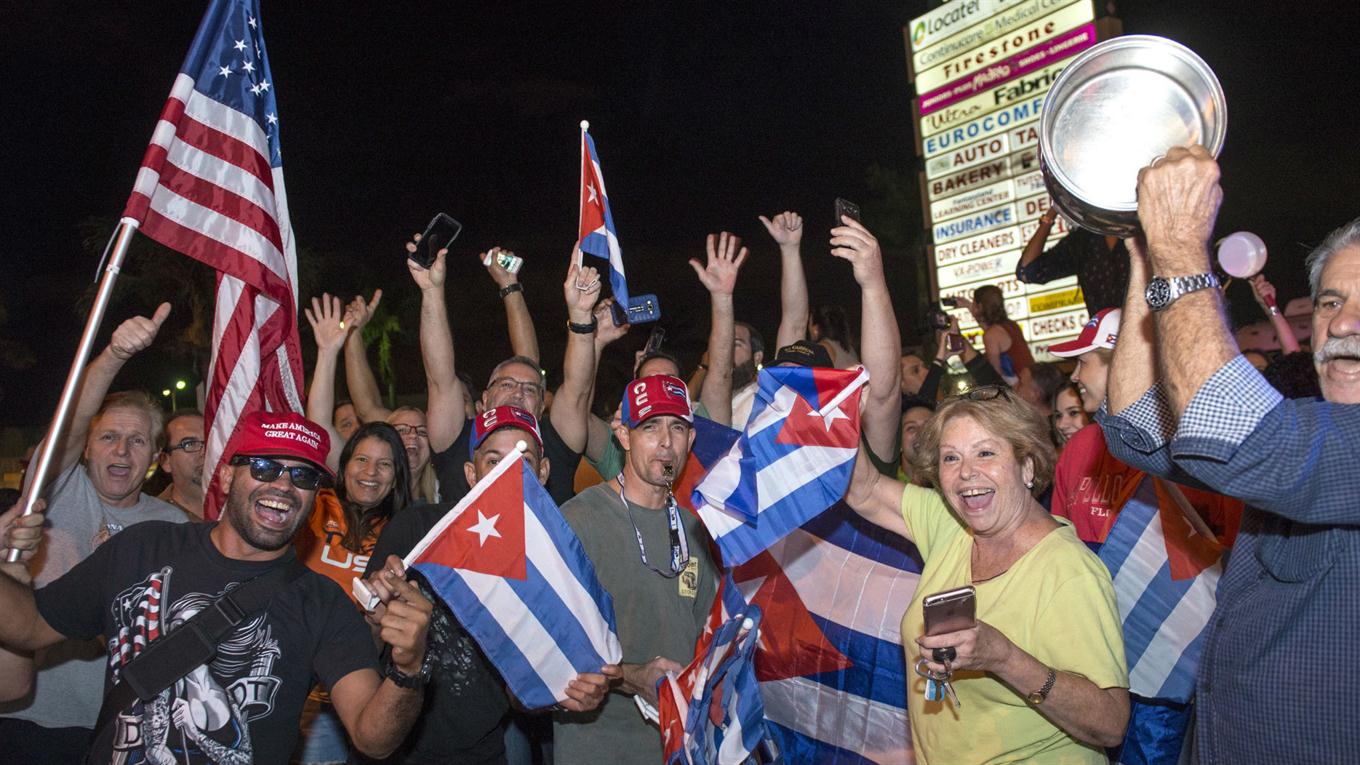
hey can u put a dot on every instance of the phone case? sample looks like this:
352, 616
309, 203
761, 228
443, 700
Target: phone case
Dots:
950, 611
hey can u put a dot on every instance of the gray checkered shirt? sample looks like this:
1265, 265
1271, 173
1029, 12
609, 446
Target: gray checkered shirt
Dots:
1279, 677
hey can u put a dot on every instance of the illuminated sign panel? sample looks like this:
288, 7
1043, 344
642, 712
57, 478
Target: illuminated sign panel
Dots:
982, 69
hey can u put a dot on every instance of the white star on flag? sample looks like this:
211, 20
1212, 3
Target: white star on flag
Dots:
251, 22
830, 417
264, 85
272, 119
594, 196
224, 71
485, 527
248, 66
240, 45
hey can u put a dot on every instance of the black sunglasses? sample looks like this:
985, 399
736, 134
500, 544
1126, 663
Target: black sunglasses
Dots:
266, 470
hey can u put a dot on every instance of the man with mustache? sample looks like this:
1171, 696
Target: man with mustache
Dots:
1277, 680
653, 559
244, 704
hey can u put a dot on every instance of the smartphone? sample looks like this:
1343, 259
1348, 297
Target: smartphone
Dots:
956, 343
654, 341
641, 309
950, 611
949, 301
438, 235
847, 208
506, 260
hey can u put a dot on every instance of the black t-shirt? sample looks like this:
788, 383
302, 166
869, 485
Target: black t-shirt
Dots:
562, 464
465, 699
244, 706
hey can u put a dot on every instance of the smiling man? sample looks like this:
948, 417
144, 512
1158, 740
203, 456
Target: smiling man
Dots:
244, 704
101, 463
1289, 587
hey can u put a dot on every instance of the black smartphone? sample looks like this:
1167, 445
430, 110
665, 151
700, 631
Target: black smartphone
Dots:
438, 235
641, 309
654, 341
848, 209
950, 611
949, 301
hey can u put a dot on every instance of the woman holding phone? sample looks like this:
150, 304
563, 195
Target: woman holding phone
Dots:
1041, 674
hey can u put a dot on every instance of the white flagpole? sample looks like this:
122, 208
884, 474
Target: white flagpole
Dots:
37, 480
580, 214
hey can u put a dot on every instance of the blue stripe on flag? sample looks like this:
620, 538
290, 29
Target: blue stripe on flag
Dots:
843, 527
879, 672
540, 503
1153, 607
1129, 528
542, 602
519, 674
795, 747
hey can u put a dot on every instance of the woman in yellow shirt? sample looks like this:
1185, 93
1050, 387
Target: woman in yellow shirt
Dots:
1041, 677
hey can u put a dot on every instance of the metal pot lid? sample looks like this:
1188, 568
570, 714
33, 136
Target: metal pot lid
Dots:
1120, 105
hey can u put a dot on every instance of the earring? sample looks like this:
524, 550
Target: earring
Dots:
1029, 484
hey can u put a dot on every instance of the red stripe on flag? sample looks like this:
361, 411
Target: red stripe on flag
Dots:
225, 147
221, 257
221, 201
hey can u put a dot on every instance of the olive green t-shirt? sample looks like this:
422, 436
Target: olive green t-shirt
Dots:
656, 616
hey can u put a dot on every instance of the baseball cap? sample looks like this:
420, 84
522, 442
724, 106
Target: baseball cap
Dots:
1100, 332
492, 420
804, 354
283, 434
654, 395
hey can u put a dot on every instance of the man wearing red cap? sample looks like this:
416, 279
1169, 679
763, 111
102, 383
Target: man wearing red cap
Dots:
244, 704
461, 717
653, 559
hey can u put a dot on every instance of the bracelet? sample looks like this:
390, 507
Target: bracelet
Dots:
509, 288
403, 680
703, 367
583, 329
1273, 311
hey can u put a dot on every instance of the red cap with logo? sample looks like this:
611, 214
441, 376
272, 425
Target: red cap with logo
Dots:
491, 420
648, 397
283, 434
1100, 332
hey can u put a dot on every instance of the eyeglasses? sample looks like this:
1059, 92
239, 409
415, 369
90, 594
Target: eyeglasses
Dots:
189, 445
987, 393
510, 385
266, 470
406, 430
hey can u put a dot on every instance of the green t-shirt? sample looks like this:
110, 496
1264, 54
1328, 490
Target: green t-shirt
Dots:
656, 616
1056, 603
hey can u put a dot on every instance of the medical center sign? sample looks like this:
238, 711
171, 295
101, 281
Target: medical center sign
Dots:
981, 69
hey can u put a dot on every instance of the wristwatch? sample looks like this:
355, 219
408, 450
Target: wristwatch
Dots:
403, 680
1162, 292
1037, 697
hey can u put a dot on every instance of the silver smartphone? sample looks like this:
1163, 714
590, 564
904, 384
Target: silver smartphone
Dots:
950, 611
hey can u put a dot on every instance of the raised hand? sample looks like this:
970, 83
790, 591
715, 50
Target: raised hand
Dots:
21, 532
719, 277
580, 290
606, 331
1178, 199
852, 241
786, 228
431, 278
360, 312
136, 334
499, 275
1264, 292
328, 325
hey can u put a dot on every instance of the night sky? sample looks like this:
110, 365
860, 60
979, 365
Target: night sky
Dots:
704, 114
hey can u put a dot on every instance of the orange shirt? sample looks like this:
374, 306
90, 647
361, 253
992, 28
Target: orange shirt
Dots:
318, 545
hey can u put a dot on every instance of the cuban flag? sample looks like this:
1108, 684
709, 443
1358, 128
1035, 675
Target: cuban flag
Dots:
792, 462
597, 234
711, 712
518, 580
1165, 579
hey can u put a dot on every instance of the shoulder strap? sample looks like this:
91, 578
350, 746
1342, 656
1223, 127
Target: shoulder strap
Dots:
194, 643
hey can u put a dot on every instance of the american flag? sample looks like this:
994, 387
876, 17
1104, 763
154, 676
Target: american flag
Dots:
211, 187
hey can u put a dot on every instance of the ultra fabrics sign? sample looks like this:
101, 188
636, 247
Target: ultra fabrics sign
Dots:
982, 69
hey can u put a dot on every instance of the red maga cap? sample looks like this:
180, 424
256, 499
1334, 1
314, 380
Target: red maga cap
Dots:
648, 397
283, 434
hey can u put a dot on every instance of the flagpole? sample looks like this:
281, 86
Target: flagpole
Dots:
122, 239
580, 214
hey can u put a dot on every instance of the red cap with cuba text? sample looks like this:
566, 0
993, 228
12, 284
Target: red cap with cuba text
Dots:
1100, 332
652, 396
492, 420
283, 434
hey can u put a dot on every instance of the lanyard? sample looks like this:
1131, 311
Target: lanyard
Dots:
679, 540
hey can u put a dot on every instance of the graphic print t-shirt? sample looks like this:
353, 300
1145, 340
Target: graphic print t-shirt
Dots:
244, 705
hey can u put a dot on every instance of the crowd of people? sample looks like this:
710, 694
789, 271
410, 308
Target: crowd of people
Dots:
1010, 489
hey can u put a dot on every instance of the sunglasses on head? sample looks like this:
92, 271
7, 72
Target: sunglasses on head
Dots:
266, 470
986, 393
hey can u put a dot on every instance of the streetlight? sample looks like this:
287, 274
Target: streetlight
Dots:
173, 395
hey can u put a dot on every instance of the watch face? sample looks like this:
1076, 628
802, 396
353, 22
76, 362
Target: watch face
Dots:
1158, 292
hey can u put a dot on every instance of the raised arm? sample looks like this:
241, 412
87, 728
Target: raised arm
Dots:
787, 231
598, 431
876, 497
330, 329
1265, 297
359, 379
719, 277
1133, 369
1178, 199
880, 341
130, 338
444, 412
1036, 244
523, 337
570, 413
